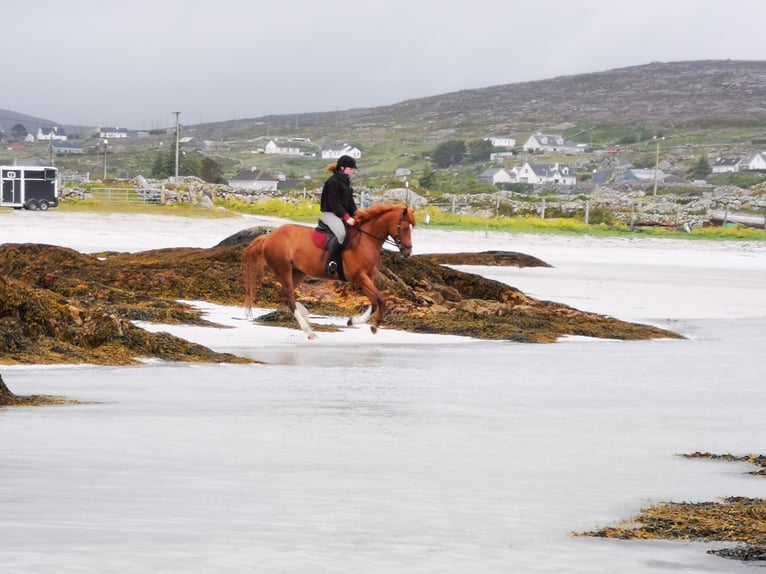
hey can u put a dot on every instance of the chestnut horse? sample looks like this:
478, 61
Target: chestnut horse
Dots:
292, 254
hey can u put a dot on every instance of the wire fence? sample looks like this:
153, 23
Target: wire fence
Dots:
126, 195
666, 212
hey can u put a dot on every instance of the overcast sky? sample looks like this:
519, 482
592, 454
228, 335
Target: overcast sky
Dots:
132, 63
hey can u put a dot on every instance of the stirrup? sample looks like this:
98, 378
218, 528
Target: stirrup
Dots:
332, 267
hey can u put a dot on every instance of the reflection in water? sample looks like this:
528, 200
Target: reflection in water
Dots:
317, 355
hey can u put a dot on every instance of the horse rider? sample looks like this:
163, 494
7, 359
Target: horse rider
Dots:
338, 207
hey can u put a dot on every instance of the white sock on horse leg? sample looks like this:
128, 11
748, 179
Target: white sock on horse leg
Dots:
361, 319
302, 310
304, 324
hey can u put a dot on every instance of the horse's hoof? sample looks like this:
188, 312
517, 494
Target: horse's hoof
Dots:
374, 329
312, 336
350, 322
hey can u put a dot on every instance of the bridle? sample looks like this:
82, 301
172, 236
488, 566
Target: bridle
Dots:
397, 239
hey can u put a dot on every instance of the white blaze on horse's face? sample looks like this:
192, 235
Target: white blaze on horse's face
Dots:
405, 240
404, 235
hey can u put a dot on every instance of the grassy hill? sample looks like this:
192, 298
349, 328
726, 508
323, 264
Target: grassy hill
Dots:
699, 107
676, 95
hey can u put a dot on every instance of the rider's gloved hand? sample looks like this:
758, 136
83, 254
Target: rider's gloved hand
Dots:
350, 221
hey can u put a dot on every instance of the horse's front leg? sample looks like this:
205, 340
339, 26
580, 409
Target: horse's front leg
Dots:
377, 304
299, 311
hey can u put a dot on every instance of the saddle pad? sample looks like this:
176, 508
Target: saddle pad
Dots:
319, 238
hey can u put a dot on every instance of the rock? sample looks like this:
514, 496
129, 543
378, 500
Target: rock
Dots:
244, 237
489, 258
6, 396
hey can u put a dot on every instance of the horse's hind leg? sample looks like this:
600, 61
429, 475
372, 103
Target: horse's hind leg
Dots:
362, 318
302, 310
304, 323
302, 316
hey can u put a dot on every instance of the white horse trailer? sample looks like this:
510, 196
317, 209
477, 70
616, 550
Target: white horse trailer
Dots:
29, 187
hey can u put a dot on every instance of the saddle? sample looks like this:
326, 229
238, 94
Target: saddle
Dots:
322, 234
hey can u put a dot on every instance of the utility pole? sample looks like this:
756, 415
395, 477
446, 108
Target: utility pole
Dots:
106, 142
656, 167
657, 163
178, 139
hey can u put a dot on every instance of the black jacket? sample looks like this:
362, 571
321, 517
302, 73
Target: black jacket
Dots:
338, 195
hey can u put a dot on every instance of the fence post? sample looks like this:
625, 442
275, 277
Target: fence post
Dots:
542, 210
587, 212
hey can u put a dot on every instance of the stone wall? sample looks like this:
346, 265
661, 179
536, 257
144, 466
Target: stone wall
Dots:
689, 206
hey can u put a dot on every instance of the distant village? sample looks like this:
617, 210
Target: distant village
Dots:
527, 172
621, 171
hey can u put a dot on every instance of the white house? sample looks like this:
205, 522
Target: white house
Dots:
496, 175
753, 161
66, 147
254, 179
281, 148
501, 141
334, 151
51, 134
541, 143
112, 133
726, 164
500, 156
537, 173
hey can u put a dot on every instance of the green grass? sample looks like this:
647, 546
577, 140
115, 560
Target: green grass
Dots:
568, 226
308, 211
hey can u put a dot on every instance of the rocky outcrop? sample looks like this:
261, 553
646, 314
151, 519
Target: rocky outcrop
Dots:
734, 519
6, 396
61, 306
9, 399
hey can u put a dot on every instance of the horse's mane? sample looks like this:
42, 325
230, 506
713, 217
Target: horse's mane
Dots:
378, 209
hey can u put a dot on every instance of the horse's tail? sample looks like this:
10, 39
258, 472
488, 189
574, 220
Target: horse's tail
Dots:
252, 271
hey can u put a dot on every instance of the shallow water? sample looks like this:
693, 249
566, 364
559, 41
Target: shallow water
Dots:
396, 453
462, 457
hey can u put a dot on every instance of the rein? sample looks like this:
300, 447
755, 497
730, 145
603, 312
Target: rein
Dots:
397, 240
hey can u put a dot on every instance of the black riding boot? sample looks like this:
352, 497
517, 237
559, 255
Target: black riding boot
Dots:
333, 250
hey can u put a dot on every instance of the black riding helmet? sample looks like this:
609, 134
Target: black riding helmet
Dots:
346, 161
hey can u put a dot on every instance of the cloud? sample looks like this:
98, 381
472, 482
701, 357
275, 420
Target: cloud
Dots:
133, 64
